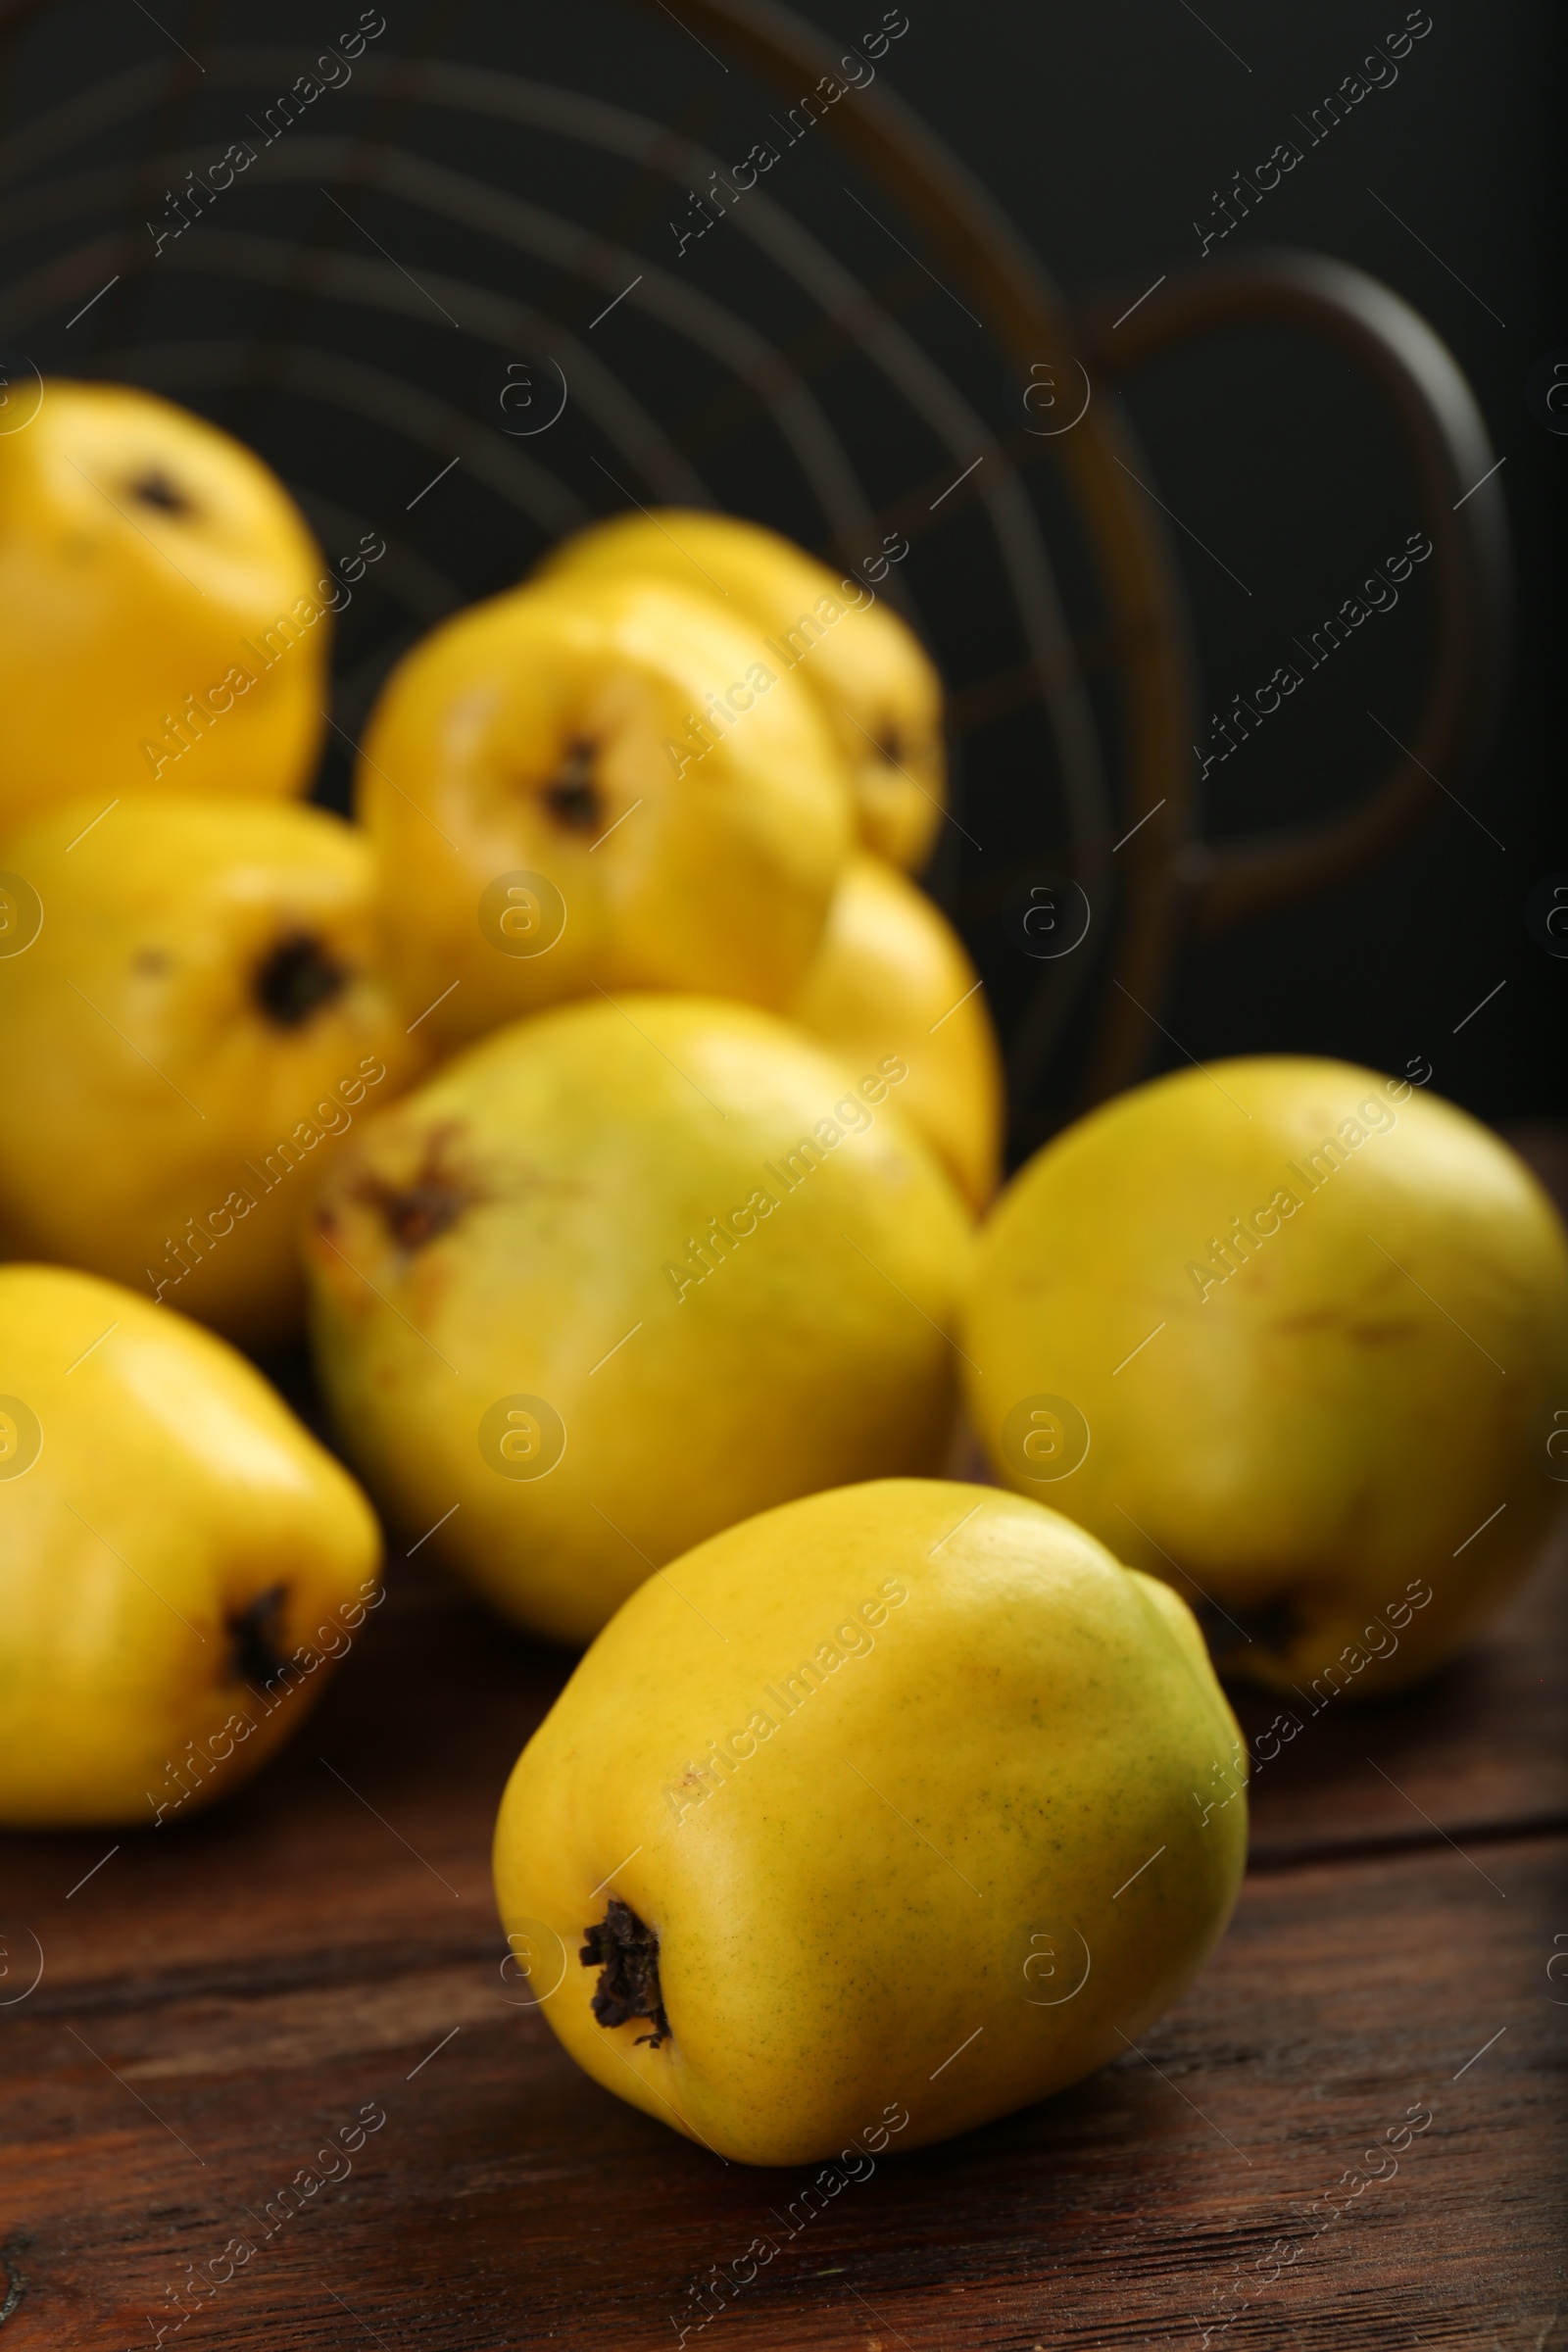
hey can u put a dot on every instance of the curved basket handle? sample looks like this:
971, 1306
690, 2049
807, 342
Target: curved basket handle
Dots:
1462, 512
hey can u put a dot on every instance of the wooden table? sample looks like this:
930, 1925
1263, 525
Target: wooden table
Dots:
219, 2002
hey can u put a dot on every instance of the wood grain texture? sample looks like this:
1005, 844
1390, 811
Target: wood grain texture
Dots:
220, 1999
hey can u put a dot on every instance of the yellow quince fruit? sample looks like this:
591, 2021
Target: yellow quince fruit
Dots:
881, 1814
193, 1012
178, 1559
1294, 1336
598, 784
892, 976
164, 618
622, 1274
877, 685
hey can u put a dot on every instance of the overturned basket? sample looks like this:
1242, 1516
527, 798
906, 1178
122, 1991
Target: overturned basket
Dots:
463, 310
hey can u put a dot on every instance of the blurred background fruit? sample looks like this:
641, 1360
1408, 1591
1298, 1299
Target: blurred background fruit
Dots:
165, 611
625, 1273
892, 976
598, 782
1290, 1335
199, 1014
873, 680
179, 1559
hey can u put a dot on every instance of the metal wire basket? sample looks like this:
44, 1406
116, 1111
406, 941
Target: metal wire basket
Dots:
465, 308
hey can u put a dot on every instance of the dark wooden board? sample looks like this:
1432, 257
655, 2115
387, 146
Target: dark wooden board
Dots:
220, 1998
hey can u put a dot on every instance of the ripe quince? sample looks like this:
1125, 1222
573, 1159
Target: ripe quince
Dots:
1293, 1335
598, 784
877, 685
192, 1012
164, 618
892, 976
179, 1558
624, 1273
876, 1815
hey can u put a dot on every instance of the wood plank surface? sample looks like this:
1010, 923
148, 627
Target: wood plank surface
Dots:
221, 2001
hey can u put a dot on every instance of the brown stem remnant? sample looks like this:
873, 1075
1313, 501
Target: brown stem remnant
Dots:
255, 1634
625, 1953
572, 795
295, 978
155, 488
431, 1199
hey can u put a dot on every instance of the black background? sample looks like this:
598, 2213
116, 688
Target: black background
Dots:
1105, 132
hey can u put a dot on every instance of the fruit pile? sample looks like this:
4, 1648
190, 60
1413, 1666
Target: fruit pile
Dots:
614, 1112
